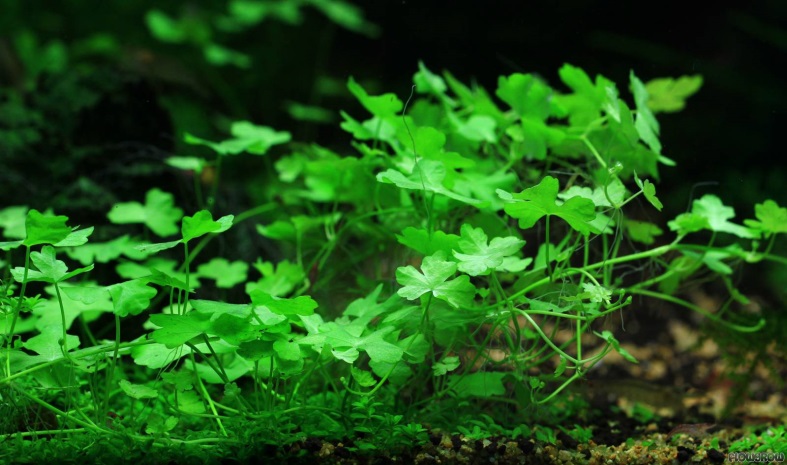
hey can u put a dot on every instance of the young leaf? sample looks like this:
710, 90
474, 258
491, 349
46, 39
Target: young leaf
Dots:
669, 95
381, 105
448, 364
596, 293
44, 229
159, 213
479, 257
533, 203
175, 330
483, 384
710, 209
422, 242
50, 270
279, 281
137, 391
646, 124
131, 297
457, 292
249, 138
202, 223
642, 231
302, 305
225, 273
607, 336
233, 329
525, 94
772, 218
428, 175
48, 344
362, 377
649, 191
12, 220
427, 82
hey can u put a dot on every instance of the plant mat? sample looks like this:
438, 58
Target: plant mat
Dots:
620, 435
623, 430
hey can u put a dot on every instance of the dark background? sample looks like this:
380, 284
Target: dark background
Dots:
725, 141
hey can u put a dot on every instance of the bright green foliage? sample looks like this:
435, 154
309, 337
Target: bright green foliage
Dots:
478, 256
710, 213
247, 137
131, 297
50, 270
771, 219
433, 278
225, 273
202, 223
394, 289
137, 391
302, 305
159, 213
427, 176
538, 201
42, 229
669, 95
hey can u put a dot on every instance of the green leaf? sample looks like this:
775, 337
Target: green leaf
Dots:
225, 273
422, 242
709, 212
155, 248
362, 377
649, 191
533, 203
687, 223
642, 231
427, 176
182, 380
426, 82
44, 229
187, 163
234, 329
202, 223
255, 350
107, 251
477, 128
156, 356
772, 218
646, 124
381, 105
176, 330
48, 344
484, 384
249, 138
607, 336
131, 297
525, 94
50, 269
157, 425
346, 15
279, 281
596, 293
669, 95
137, 391
12, 220
159, 213
457, 292
191, 402
479, 257
302, 305
76, 238
448, 364
287, 350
